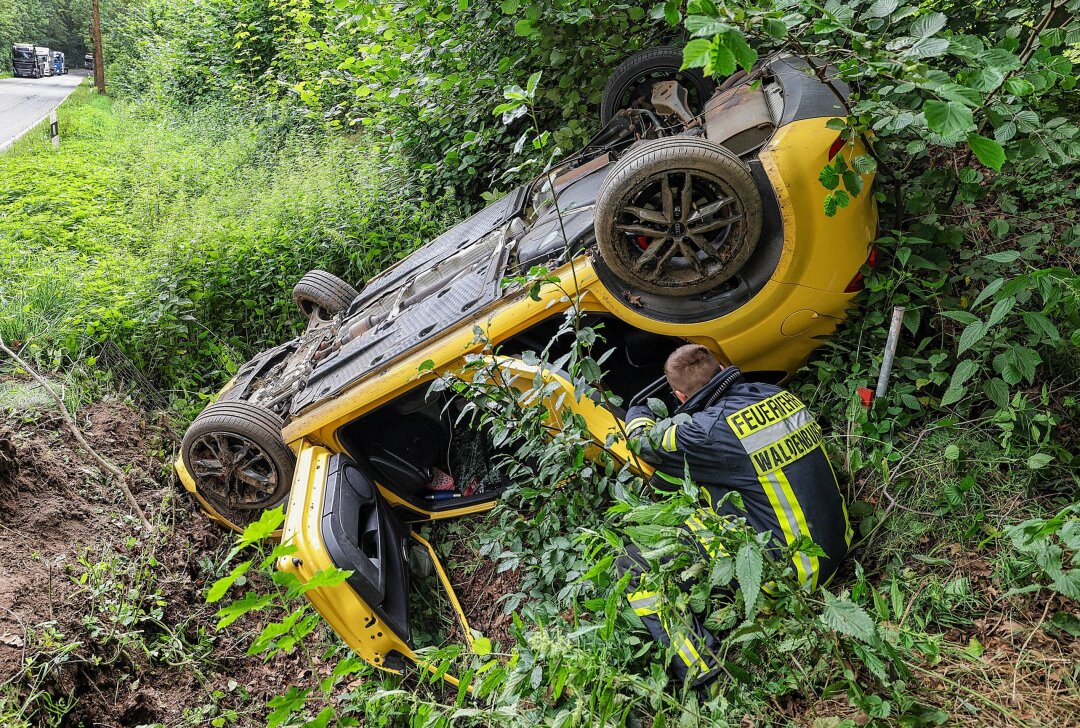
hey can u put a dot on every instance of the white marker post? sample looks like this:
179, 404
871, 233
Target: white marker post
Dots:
54, 129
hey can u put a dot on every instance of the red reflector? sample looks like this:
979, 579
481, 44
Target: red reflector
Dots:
836, 147
866, 395
858, 282
642, 242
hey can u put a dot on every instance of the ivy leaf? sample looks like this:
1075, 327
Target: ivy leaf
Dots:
696, 53
748, 566
947, 118
845, 616
988, 151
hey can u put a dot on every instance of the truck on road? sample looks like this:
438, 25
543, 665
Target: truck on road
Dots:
59, 63
45, 58
88, 61
27, 60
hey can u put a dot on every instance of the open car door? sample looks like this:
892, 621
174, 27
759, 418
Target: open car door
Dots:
338, 518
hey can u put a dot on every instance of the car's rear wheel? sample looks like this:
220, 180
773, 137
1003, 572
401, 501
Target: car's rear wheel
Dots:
677, 216
630, 85
234, 453
322, 290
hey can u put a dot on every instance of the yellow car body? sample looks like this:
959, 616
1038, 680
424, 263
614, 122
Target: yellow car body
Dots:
804, 299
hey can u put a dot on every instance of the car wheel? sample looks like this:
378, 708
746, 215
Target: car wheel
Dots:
234, 453
322, 290
677, 216
630, 85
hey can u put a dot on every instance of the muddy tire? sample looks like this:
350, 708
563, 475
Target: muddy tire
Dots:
322, 290
677, 216
630, 83
240, 465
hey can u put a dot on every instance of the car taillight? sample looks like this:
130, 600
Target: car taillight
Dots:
858, 282
836, 147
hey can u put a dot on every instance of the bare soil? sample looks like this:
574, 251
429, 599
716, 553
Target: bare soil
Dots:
62, 623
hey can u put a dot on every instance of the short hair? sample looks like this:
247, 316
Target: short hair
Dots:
690, 367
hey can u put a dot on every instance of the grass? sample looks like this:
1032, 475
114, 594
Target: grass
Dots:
179, 239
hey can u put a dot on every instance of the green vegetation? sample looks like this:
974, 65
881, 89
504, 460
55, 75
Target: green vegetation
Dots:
253, 141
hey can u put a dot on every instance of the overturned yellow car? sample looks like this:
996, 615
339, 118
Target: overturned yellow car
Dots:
694, 215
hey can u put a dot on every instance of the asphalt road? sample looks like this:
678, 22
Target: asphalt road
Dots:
26, 101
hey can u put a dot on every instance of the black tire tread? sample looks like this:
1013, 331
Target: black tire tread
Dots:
325, 290
249, 420
633, 65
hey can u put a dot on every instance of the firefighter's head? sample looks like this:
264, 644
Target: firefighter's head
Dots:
689, 368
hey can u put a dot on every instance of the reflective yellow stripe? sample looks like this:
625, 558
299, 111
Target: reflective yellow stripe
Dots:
668, 442
800, 518
644, 602
690, 655
638, 422
786, 523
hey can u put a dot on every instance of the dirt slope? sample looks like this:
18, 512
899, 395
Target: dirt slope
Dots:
99, 624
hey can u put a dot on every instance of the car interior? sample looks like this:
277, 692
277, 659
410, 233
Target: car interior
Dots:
419, 447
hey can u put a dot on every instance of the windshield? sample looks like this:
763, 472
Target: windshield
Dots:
23, 55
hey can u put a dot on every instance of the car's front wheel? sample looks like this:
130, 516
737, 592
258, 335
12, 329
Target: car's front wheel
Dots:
324, 291
677, 216
234, 453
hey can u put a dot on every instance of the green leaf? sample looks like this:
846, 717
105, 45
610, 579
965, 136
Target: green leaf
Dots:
532, 84
482, 646
928, 48
972, 334
947, 118
829, 177
845, 616
952, 452
722, 60
774, 27
702, 26
269, 522
748, 566
927, 25
745, 56
997, 392
1039, 460
853, 182
881, 9
1004, 256
671, 13
326, 577
988, 151
864, 164
696, 53
251, 602
523, 27
1019, 87
217, 591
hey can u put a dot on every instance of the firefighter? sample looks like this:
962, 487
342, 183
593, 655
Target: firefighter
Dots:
758, 440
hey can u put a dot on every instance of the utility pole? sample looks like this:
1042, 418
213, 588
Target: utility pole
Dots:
99, 64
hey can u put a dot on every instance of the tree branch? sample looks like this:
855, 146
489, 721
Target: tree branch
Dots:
116, 472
